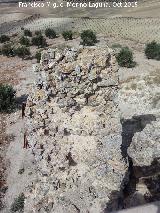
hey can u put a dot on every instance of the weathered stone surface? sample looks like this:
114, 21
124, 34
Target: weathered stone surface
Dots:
145, 146
36, 67
74, 132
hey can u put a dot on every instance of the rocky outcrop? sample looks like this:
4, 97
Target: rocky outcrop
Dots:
145, 146
144, 152
74, 131
140, 143
138, 103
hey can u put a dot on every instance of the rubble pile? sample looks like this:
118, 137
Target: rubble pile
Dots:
73, 130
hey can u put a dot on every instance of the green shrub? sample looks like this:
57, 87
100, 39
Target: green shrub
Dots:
7, 98
24, 41
27, 33
18, 204
88, 38
4, 38
125, 58
22, 51
38, 56
7, 50
152, 50
39, 41
38, 32
50, 33
67, 35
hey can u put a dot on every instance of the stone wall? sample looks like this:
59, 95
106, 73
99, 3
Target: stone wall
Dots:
73, 130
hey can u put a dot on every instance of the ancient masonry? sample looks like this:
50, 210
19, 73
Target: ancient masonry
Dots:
73, 129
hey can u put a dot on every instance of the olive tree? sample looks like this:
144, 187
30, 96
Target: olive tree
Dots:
88, 38
50, 33
125, 58
4, 38
152, 50
67, 35
7, 98
39, 41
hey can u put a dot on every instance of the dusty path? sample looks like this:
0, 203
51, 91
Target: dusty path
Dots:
20, 168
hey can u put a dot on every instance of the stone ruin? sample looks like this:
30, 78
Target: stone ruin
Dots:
73, 129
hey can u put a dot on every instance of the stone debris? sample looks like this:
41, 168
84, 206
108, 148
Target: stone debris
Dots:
74, 132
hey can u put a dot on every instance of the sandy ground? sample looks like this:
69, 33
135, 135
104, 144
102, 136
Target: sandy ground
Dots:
16, 157
7, 75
